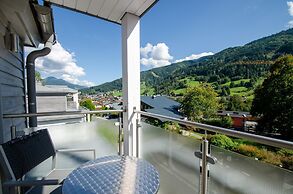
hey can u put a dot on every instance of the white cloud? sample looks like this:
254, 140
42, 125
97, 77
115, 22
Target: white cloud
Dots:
158, 55
290, 5
145, 51
290, 10
61, 63
161, 52
290, 24
74, 80
150, 62
194, 56
155, 56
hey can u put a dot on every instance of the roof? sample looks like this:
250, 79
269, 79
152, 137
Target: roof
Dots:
117, 106
162, 105
233, 113
54, 89
110, 10
19, 18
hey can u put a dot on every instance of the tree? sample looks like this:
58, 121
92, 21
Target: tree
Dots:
273, 100
87, 103
200, 102
232, 84
38, 77
225, 91
238, 103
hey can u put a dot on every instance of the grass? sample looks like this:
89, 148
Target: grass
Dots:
146, 90
236, 82
193, 83
179, 91
189, 82
259, 81
117, 93
242, 91
238, 89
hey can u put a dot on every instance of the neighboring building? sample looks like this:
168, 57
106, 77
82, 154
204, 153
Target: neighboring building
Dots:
239, 119
117, 106
57, 98
161, 105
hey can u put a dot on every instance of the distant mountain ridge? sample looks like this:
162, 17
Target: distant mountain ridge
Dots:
251, 60
55, 81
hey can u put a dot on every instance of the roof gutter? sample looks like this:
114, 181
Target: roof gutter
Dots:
44, 20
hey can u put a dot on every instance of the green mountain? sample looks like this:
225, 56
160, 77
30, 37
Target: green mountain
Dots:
247, 62
55, 81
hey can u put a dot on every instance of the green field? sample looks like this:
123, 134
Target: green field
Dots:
241, 91
117, 93
236, 82
238, 90
179, 91
145, 90
189, 82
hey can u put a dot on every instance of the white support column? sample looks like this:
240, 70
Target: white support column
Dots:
130, 79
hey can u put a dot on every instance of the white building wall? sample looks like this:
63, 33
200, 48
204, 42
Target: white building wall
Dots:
75, 100
51, 103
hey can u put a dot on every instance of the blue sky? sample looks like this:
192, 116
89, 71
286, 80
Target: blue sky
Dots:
89, 49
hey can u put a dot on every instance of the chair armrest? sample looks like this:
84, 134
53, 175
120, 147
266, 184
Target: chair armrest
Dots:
79, 150
26, 183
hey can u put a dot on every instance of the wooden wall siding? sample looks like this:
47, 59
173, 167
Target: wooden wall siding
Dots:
12, 91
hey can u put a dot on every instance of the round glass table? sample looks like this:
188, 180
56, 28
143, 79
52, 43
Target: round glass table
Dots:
113, 174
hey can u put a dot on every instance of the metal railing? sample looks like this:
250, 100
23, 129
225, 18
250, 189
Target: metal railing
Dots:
204, 155
255, 138
42, 114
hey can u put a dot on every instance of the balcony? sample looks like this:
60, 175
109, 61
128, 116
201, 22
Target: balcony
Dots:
173, 155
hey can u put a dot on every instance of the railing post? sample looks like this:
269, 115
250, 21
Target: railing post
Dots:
204, 173
138, 126
13, 131
119, 135
88, 117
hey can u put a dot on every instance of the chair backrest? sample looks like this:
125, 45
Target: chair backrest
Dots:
26, 152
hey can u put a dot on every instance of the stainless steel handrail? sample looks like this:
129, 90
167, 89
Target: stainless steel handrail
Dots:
42, 114
255, 138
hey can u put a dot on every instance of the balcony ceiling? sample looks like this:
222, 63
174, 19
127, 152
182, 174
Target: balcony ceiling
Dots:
110, 10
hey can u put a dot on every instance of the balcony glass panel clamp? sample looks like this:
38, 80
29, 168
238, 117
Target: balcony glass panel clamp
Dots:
210, 159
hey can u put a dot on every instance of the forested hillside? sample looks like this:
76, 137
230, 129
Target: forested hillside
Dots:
240, 67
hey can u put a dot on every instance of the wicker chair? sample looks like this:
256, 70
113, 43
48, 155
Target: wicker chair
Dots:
20, 155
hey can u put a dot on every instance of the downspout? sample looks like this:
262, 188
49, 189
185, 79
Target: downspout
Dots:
31, 80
